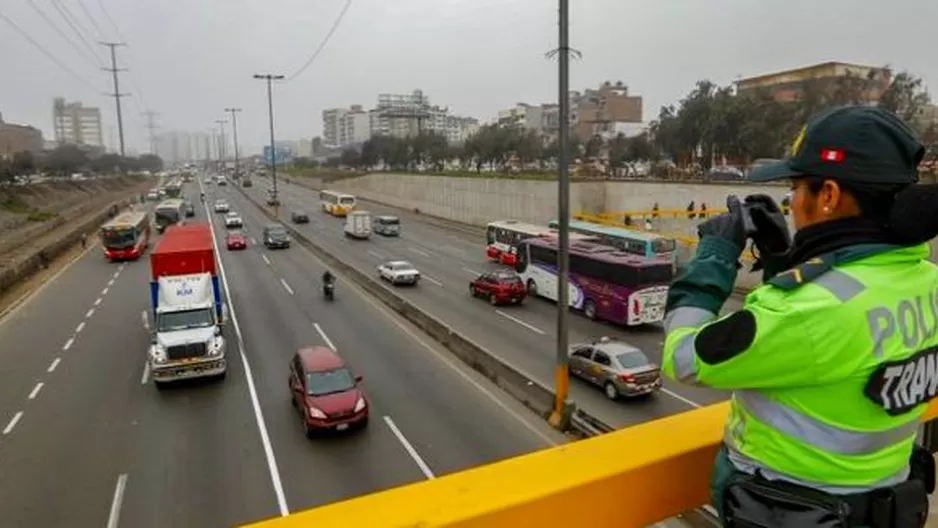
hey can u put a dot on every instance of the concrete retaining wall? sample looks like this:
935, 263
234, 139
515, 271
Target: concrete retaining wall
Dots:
31, 263
522, 387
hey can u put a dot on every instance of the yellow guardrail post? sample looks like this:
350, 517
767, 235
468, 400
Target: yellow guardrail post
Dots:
630, 478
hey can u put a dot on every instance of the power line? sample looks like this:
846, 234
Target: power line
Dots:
322, 45
48, 55
110, 20
101, 33
68, 20
92, 59
133, 78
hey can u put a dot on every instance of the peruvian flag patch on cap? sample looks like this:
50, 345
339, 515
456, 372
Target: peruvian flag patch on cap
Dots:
832, 155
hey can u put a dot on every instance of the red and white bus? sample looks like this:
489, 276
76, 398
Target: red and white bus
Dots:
126, 237
502, 238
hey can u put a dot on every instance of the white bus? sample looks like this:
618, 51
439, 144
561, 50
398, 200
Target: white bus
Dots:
503, 236
336, 203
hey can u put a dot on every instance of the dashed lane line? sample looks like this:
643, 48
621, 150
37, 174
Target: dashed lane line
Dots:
13, 421
414, 455
89, 313
35, 391
55, 363
80, 327
68, 344
114, 517
520, 322
286, 286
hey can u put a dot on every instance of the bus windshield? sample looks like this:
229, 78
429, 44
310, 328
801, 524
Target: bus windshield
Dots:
346, 200
119, 237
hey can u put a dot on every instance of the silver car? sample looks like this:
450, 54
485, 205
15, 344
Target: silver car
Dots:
619, 368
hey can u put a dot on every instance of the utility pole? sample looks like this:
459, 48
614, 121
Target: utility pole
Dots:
151, 128
117, 93
222, 145
270, 78
234, 131
560, 417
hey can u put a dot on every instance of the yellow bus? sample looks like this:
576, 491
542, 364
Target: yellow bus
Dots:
336, 203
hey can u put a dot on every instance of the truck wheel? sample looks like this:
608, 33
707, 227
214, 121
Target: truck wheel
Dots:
222, 376
160, 385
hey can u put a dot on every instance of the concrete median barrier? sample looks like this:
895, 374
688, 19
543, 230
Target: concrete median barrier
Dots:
32, 262
521, 386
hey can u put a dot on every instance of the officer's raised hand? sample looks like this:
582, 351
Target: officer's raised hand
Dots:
728, 226
772, 237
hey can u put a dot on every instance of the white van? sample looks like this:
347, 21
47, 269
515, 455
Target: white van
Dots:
358, 224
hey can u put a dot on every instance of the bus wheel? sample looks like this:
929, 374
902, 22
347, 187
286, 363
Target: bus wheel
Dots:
589, 310
532, 288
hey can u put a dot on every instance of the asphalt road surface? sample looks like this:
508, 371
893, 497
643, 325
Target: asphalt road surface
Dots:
521, 335
88, 441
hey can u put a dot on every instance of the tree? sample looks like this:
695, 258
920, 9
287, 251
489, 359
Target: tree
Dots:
150, 162
350, 158
906, 97
23, 162
6, 171
66, 159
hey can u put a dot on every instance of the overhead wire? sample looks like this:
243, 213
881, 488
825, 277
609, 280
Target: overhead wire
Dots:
92, 59
325, 40
48, 55
68, 20
84, 8
130, 72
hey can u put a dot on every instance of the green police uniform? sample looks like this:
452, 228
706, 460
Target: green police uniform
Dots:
831, 362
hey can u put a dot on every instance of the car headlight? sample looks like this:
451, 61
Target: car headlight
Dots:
157, 354
360, 404
216, 346
316, 413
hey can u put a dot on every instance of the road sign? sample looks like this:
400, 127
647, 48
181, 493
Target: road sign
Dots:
283, 155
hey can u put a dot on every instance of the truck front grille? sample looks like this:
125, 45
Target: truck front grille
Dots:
189, 350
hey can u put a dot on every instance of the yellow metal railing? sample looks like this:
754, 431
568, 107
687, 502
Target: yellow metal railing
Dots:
632, 477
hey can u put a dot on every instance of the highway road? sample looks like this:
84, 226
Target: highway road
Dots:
88, 441
523, 335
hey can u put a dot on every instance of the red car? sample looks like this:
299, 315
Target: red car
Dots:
325, 392
499, 287
236, 240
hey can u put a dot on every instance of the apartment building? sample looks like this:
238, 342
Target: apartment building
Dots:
789, 85
343, 127
76, 124
177, 147
603, 111
18, 138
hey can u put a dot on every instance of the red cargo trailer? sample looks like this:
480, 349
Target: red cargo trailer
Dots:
182, 250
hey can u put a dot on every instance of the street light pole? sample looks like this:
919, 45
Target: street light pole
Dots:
270, 78
234, 130
222, 145
560, 417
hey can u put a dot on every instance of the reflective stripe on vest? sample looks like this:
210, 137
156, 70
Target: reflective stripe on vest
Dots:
803, 449
685, 369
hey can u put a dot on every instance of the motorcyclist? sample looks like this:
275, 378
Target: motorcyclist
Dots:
202, 196
327, 278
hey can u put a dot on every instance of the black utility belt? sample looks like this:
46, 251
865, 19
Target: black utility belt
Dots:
752, 501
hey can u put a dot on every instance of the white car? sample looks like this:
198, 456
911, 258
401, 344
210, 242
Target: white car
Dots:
233, 219
222, 206
399, 272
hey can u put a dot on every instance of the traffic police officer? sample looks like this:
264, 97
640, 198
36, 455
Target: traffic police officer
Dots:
833, 358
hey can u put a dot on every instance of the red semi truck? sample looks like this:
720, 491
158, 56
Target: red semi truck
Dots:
188, 307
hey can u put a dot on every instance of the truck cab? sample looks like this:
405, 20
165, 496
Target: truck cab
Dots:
188, 311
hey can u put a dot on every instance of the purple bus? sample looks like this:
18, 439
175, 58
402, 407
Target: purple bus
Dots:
605, 283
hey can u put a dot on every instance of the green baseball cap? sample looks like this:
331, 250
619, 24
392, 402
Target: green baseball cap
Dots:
861, 144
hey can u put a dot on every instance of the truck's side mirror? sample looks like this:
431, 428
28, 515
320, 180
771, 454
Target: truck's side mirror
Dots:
359, 378
224, 313
153, 338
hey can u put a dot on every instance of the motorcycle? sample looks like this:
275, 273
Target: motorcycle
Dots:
328, 290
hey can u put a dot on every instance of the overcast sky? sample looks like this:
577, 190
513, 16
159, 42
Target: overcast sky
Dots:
189, 59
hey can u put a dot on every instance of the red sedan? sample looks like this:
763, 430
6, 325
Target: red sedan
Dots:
236, 240
325, 392
499, 287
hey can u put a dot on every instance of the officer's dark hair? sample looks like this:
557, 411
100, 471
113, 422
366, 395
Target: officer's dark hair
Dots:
908, 211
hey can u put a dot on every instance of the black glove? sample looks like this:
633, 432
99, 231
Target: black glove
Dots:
771, 238
728, 226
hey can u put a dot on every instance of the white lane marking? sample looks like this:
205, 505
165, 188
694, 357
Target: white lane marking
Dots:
113, 519
266, 260
679, 397
89, 313
252, 389
375, 254
253, 241
13, 422
68, 344
286, 286
97, 301
117, 273
104, 291
145, 319
471, 271
419, 252
146, 373
520, 322
432, 280
324, 336
121, 267
80, 327
110, 282
424, 468
35, 391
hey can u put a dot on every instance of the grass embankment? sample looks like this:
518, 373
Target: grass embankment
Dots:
12, 203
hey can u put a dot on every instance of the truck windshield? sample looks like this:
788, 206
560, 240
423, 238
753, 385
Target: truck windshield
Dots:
172, 321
